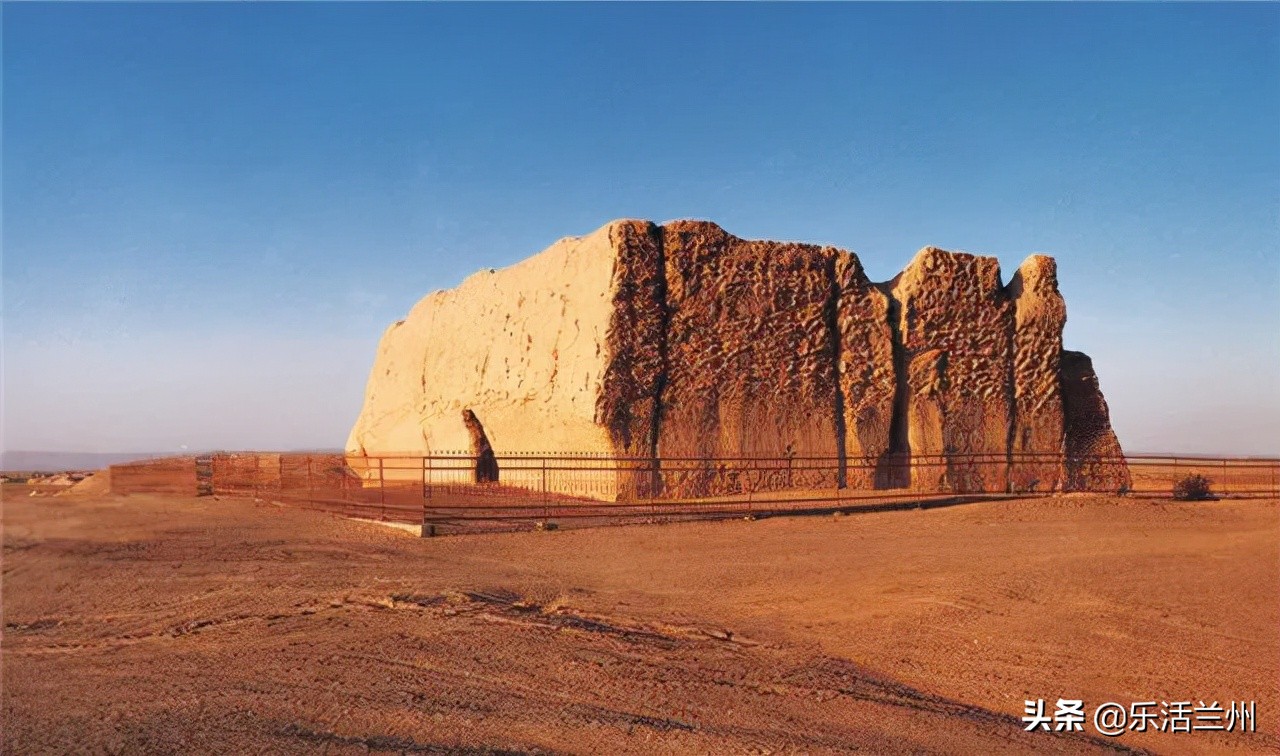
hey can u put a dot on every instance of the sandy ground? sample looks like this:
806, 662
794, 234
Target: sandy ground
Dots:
158, 624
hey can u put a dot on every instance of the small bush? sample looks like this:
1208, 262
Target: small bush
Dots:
1192, 488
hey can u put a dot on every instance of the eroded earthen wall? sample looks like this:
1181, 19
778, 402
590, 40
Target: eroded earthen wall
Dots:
1036, 438
684, 348
636, 348
866, 371
955, 324
1094, 460
751, 361
525, 348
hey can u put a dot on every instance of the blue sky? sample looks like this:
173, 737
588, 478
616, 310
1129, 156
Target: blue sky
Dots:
212, 211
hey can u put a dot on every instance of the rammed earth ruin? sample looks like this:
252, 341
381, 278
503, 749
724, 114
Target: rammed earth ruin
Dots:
680, 340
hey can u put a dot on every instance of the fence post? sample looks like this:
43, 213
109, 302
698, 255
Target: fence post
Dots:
651, 491
382, 493
546, 496
846, 481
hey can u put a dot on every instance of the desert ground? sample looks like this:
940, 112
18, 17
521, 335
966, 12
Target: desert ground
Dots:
149, 623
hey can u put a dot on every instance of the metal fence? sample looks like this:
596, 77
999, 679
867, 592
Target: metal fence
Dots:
537, 490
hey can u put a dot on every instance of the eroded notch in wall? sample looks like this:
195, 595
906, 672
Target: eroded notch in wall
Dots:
831, 315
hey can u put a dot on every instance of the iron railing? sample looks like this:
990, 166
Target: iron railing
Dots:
441, 491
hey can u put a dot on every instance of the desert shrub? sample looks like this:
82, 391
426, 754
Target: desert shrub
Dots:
1192, 488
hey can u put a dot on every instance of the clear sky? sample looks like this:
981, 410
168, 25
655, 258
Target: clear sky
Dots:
211, 211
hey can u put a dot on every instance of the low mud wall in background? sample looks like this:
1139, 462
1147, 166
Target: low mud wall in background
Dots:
173, 475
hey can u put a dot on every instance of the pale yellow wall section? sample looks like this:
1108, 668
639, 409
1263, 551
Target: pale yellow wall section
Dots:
523, 347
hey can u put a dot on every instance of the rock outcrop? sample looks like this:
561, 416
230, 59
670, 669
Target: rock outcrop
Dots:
681, 348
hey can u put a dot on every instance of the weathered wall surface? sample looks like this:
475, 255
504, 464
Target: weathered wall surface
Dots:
628, 404
684, 342
635, 348
524, 348
1039, 316
751, 363
955, 324
1091, 445
866, 371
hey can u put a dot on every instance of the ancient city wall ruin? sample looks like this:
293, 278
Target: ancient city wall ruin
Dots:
681, 341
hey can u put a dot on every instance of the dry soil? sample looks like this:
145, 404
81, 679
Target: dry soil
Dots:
162, 624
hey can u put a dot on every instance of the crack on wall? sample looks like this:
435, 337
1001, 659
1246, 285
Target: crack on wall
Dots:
831, 316
664, 365
1013, 293
892, 467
